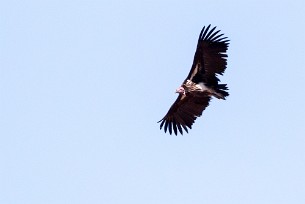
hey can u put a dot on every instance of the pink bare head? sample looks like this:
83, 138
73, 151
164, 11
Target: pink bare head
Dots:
180, 90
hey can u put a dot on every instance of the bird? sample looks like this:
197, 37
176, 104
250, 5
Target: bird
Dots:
201, 84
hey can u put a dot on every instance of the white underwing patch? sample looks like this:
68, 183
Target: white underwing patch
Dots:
195, 71
203, 86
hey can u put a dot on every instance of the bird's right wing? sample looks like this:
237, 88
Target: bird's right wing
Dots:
184, 111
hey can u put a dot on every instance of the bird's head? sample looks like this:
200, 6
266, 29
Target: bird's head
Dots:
180, 90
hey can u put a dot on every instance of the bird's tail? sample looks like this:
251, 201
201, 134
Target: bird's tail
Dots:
221, 91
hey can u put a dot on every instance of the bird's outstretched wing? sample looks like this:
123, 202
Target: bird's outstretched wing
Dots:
184, 112
210, 57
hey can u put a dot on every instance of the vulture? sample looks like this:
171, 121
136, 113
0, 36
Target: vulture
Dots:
201, 84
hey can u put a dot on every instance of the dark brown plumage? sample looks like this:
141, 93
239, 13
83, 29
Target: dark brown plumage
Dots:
201, 83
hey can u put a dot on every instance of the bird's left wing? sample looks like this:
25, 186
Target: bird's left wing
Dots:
210, 56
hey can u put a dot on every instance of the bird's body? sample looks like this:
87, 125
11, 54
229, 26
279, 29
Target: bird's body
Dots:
191, 87
201, 84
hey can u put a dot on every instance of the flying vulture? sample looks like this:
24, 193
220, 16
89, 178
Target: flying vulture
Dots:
201, 84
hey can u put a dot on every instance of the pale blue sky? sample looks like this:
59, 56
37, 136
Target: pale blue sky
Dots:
83, 83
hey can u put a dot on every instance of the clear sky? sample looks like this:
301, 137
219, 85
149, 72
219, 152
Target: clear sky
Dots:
83, 84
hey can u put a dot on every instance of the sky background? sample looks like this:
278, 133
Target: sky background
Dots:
83, 84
